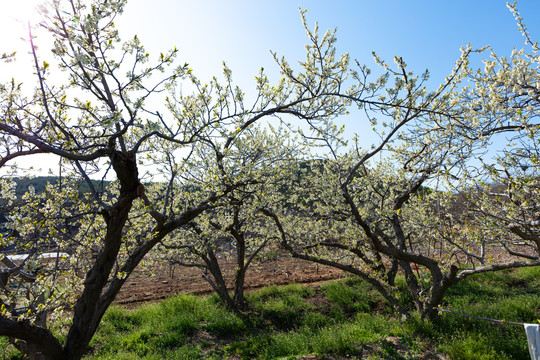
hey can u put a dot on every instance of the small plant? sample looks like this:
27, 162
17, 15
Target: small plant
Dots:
225, 323
346, 298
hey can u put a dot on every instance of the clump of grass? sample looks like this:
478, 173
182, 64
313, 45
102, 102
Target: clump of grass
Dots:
531, 275
343, 339
465, 338
280, 314
349, 338
346, 298
224, 323
281, 307
8, 351
352, 295
317, 320
469, 347
163, 329
294, 290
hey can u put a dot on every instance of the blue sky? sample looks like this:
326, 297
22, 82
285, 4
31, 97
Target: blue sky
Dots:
427, 34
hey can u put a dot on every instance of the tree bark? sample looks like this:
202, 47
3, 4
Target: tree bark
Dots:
87, 313
41, 339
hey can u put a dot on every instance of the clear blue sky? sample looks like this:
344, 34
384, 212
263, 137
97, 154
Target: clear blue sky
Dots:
426, 33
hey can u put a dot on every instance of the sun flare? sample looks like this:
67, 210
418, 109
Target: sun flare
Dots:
22, 11
15, 15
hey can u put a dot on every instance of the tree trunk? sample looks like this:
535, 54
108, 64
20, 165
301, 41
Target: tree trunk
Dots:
219, 285
239, 279
39, 339
87, 312
28, 350
239, 300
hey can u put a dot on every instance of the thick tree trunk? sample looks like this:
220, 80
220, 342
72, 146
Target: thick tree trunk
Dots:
87, 312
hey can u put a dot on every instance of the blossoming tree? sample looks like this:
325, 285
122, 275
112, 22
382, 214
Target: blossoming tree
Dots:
417, 203
93, 108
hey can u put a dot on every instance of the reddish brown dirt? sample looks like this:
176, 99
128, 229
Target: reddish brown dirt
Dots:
162, 280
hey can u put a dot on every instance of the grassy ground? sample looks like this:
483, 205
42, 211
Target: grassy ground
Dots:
340, 320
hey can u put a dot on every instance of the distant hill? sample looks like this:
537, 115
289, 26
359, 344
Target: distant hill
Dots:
40, 182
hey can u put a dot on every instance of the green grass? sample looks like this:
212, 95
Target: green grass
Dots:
507, 295
7, 351
341, 319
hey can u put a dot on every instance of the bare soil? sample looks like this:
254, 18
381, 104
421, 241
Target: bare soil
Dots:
161, 280
150, 283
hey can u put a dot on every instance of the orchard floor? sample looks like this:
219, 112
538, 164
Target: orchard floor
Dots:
160, 280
